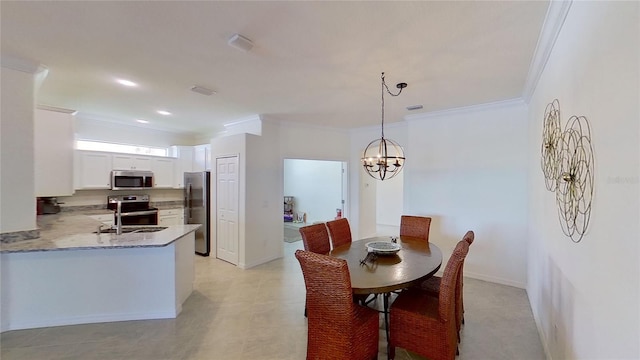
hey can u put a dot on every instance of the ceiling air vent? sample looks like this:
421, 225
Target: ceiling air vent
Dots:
202, 90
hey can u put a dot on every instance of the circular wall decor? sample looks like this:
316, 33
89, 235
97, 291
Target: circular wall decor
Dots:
550, 140
567, 163
575, 184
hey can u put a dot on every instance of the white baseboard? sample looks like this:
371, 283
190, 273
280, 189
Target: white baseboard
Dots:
89, 320
543, 339
245, 266
496, 280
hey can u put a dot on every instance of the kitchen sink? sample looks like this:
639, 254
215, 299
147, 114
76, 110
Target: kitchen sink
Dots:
128, 230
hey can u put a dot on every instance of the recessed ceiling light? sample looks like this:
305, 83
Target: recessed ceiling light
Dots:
142, 121
163, 112
128, 83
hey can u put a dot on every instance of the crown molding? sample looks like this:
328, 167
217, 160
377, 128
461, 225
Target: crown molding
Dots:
556, 15
21, 64
467, 109
57, 109
248, 119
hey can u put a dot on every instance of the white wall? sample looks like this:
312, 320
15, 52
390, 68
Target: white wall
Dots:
87, 128
17, 191
264, 199
364, 189
467, 170
261, 179
316, 186
585, 296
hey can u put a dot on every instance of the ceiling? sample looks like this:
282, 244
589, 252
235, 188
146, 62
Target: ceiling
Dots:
317, 63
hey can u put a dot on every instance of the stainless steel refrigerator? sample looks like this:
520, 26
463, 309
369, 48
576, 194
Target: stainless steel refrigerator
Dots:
197, 207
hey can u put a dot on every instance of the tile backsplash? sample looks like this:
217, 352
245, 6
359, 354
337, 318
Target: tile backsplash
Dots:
95, 199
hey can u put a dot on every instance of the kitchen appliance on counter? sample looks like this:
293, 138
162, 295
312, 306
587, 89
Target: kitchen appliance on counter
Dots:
47, 205
197, 209
131, 180
135, 210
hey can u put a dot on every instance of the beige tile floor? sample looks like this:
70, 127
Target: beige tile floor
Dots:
258, 314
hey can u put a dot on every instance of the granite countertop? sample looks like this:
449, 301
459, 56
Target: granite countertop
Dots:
75, 232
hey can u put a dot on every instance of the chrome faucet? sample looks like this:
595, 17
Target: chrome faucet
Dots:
119, 218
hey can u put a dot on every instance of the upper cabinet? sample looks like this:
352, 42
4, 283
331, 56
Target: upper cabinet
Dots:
93, 170
202, 157
131, 162
163, 172
184, 163
53, 153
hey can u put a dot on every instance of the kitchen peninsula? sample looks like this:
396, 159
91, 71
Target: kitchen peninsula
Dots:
71, 275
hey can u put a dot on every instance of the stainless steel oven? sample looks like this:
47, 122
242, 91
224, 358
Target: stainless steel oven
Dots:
135, 210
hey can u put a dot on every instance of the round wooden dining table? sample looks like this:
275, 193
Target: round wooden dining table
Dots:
416, 261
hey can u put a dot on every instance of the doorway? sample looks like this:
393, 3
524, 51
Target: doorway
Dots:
316, 189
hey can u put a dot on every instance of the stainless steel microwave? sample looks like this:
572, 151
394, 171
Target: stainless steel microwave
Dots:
131, 180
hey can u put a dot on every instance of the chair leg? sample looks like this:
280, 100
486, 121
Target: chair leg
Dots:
392, 352
457, 351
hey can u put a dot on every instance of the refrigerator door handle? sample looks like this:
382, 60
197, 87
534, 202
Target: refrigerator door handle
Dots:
189, 200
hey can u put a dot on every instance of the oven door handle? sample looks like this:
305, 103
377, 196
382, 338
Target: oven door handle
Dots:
136, 213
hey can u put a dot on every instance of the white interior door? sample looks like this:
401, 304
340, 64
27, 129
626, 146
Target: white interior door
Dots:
227, 189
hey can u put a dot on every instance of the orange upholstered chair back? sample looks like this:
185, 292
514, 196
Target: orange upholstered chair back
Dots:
315, 238
415, 226
330, 305
340, 232
469, 237
449, 279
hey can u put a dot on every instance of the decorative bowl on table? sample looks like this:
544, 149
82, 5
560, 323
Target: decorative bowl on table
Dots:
382, 247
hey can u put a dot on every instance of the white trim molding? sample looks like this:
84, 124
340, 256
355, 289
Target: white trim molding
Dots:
466, 109
57, 109
21, 64
556, 14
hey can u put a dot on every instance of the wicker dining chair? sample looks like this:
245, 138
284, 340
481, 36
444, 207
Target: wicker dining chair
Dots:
315, 238
415, 226
338, 328
425, 324
432, 286
340, 232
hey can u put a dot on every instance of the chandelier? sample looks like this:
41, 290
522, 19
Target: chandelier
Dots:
384, 158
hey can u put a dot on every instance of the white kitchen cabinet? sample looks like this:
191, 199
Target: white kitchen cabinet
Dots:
163, 172
129, 162
202, 157
170, 217
93, 170
53, 153
184, 163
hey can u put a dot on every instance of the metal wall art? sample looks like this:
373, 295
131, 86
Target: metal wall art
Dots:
568, 167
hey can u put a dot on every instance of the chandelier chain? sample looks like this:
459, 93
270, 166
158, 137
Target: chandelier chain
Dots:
385, 87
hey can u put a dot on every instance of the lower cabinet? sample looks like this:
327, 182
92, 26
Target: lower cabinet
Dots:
170, 217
